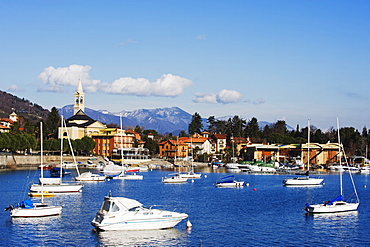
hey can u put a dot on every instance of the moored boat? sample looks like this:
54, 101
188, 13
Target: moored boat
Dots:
174, 179
229, 181
120, 213
89, 176
338, 204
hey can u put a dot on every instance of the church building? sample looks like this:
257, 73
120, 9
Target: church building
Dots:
80, 125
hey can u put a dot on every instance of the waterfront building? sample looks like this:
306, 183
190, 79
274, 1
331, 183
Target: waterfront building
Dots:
110, 139
173, 149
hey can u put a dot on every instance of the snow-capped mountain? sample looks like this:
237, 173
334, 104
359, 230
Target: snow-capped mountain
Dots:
163, 120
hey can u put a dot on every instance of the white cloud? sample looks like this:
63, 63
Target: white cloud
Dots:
201, 37
56, 78
224, 97
229, 96
167, 85
13, 88
205, 98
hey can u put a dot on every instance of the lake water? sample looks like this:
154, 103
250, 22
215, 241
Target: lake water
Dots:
263, 214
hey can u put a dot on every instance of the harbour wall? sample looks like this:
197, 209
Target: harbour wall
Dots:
25, 161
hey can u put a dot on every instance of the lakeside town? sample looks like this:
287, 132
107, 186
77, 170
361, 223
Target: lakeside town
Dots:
93, 140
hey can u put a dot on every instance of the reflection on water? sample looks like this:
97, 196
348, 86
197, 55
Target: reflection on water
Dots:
351, 215
166, 237
34, 222
337, 226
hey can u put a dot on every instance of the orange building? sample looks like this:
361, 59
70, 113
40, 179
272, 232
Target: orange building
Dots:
173, 149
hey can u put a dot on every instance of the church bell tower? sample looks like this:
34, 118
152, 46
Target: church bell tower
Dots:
79, 99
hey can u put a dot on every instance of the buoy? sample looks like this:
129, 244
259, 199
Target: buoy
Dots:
192, 180
365, 186
254, 189
188, 224
205, 176
246, 184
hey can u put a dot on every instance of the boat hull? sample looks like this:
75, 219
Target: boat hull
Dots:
132, 222
230, 185
334, 208
174, 180
302, 181
191, 175
88, 176
61, 188
37, 211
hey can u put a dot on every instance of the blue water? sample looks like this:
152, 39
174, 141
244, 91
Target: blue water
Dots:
263, 214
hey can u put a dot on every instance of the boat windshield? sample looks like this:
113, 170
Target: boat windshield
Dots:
109, 206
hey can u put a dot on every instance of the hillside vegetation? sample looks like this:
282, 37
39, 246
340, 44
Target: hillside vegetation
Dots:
9, 103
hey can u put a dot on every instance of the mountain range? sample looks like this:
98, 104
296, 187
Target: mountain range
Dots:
163, 120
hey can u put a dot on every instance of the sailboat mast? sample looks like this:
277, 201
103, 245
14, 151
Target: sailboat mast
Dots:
61, 151
70, 146
340, 159
120, 122
41, 164
308, 146
41, 153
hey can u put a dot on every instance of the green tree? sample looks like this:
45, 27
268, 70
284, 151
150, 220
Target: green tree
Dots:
152, 146
88, 143
53, 123
238, 125
252, 130
195, 125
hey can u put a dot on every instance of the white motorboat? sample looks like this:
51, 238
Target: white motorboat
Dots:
229, 181
27, 208
126, 176
89, 176
120, 213
338, 204
174, 179
110, 168
305, 179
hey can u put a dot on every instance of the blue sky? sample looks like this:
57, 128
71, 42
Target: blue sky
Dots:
273, 60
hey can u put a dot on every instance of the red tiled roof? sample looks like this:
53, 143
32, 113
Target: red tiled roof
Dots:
220, 136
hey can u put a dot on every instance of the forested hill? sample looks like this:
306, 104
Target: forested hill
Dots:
23, 107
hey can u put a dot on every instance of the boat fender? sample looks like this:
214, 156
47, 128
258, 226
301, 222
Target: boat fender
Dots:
188, 224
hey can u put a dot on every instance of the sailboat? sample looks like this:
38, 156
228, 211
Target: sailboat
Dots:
304, 178
27, 208
229, 181
338, 204
191, 173
56, 185
124, 175
234, 166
